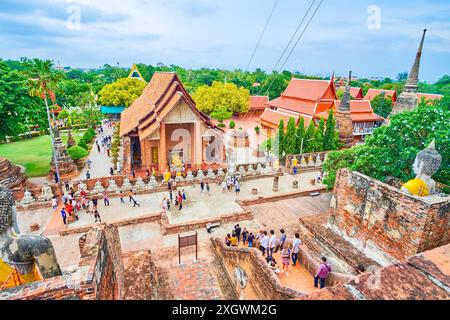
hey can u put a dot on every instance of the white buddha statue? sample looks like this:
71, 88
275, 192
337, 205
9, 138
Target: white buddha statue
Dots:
46, 193
427, 163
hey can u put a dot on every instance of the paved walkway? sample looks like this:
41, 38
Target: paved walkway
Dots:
101, 163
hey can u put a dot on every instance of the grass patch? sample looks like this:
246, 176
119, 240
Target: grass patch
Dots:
34, 154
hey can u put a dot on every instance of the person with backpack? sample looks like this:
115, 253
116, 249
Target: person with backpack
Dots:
296, 248
322, 273
286, 258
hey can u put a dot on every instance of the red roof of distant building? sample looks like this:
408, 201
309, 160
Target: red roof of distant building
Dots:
271, 118
307, 89
360, 111
258, 102
372, 93
429, 96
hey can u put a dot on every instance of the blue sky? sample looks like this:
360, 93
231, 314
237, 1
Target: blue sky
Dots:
222, 34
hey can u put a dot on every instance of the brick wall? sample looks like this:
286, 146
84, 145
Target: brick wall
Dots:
373, 212
100, 273
263, 284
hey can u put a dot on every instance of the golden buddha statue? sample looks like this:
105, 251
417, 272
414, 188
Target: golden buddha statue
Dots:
276, 164
176, 161
426, 164
294, 162
167, 176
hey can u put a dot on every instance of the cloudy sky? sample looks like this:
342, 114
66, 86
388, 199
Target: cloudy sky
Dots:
343, 35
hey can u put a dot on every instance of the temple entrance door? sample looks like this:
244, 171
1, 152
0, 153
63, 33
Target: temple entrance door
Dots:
135, 152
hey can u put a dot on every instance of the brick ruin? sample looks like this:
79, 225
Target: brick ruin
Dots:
103, 273
383, 221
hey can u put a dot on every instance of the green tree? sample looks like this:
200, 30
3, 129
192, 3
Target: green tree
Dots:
308, 141
222, 94
319, 142
300, 135
331, 136
382, 105
221, 113
122, 92
391, 150
290, 140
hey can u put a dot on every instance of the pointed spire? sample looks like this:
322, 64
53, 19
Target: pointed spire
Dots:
432, 145
344, 106
413, 78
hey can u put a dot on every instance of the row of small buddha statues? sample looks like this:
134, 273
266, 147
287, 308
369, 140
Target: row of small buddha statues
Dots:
308, 160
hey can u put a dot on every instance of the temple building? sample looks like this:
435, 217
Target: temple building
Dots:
372, 93
312, 100
164, 126
258, 104
135, 74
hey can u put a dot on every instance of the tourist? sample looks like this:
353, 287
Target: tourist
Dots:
180, 200
74, 205
72, 192
134, 198
56, 177
244, 236
224, 186
94, 202
170, 195
147, 172
272, 243
322, 273
133, 173
54, 202
319, 176
238, 230
250, 239
264, 243
207, 187
97, 215
296, 248
184, 194
273, 266
130, 195
228, 240
67, 186
111, 171
202, 186
98, 147
88, 175
282, 240
78, 206
168, 204
294, 170
121, 195
237, 188
89, 162
64, 216
65, 197
107, 151
164, 205
234, 240
105, 199
286, 258
169, 185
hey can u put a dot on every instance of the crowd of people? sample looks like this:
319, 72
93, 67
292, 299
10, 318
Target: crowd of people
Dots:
268, 243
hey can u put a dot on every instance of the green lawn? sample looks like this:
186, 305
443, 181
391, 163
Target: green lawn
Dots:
34, 154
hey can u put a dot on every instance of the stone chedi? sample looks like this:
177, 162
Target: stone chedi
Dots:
25, 253
343, 118
426, 164
66, 166
408, 100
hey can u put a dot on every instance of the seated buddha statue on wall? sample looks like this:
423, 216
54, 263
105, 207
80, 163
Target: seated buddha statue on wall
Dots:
427, 163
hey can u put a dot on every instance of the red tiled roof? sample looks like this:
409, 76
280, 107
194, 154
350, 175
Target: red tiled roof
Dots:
158, 98
258, 102
271, 118
306, 89
360, 111
429, 96
372, 93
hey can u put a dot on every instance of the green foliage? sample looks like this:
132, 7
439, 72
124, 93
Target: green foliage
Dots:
222, 95
391, 150
221, 113
278, 144
122, 92
331, 136
319, 142
92, 132
290, 139
87, 137
308, 142
221, 125
77, 152
299, 135
82, 143
382, 105
232, 124
257, 129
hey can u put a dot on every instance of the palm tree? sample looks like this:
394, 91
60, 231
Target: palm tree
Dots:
43, 82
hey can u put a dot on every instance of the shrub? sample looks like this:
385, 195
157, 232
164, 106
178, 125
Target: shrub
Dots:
83, 144
257, 130
232, 124
87, 137
221, 125
76, 152
92, 132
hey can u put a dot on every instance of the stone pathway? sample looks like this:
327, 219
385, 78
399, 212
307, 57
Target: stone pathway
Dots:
100, 161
